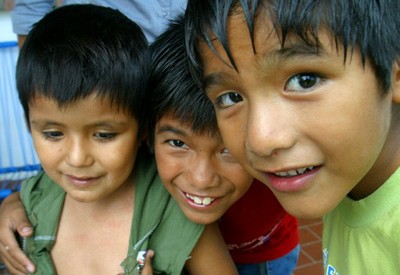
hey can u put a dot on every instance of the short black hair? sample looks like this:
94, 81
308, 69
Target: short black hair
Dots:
171, 88
370, 26
77, 50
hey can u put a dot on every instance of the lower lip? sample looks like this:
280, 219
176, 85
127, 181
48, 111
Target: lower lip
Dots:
291, 184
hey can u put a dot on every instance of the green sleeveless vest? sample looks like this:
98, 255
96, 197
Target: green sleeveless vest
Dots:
158, 223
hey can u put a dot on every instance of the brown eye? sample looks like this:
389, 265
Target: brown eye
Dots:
178, 143
303, 81
228, 99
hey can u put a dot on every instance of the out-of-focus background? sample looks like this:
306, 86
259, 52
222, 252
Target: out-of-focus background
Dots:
18, 159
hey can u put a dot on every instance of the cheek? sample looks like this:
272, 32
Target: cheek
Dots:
238, 178
49, 155
120, 159
234, 138
165, 165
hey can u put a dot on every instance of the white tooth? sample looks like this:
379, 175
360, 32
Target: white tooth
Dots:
281, 174
207, 201
197, 200
301, 171
292, 173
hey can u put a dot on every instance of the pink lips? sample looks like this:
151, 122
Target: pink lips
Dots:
293, 183
81, 181
198, 206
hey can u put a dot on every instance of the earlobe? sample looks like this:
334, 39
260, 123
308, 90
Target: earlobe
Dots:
396, 82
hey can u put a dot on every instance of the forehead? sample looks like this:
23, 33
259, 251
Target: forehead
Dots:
91, 107
170, 123
93, 99
267, 40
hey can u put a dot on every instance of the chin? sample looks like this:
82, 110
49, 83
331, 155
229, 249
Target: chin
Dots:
315, 212
200, 218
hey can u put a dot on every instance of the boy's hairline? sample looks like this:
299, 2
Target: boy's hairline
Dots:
189, 123
306, 32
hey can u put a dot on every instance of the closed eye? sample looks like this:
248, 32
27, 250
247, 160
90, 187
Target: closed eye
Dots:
53, 135
105, 136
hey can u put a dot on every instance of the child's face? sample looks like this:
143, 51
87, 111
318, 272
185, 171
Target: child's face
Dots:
197, 170
303, 122
88, 147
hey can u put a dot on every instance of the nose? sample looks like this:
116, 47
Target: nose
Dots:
270, 129
202, 173
78, 153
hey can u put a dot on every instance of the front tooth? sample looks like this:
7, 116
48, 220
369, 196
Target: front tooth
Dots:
281, 174
301, 171
197, 200
207, 201
292, 173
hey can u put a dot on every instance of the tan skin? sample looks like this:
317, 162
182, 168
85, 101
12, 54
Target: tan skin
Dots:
197, 166
211, 170
289, 110
110, 190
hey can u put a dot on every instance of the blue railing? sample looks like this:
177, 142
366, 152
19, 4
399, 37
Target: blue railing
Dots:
18, 159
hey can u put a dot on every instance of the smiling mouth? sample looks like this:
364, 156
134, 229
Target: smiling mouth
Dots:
294, 172
200, 200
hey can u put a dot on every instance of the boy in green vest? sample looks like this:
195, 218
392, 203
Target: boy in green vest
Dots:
99, 202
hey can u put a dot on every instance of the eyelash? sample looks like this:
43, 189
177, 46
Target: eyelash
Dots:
228, 96
110, 136
313, 80
51, 135
57, 135
173, 142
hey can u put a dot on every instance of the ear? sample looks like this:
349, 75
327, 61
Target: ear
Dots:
396, 82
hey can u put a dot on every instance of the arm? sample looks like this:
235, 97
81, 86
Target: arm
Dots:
13, 220
210, 255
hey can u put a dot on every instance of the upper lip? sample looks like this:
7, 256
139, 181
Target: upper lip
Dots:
200, 196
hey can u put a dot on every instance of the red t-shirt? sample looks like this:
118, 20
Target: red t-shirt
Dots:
257, 229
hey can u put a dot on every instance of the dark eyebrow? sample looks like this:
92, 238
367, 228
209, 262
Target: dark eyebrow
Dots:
288, 52
169, 128
299, 49
107, 123
45, 123
215, 79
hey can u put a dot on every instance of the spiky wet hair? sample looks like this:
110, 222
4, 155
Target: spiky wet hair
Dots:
370, 26
171, 88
